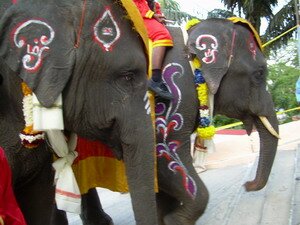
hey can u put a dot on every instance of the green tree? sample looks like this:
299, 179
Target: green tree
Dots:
171, 10
282, 85
281, 22
219, 13
278, 23
283, 75
221, 120
253, 10
170, 5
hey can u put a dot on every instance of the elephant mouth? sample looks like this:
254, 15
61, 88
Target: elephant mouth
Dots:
112, 140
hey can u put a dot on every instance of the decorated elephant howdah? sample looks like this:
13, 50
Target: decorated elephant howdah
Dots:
78, 49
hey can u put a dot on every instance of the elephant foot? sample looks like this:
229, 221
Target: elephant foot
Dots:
253, 186
173, 219
97, 219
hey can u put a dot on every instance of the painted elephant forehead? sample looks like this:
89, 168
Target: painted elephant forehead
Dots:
107, 30
39, 44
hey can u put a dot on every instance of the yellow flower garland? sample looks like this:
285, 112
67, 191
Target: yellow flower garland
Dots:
205, 129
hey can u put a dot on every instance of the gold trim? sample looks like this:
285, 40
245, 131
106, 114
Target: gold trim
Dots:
257, 37
162, 43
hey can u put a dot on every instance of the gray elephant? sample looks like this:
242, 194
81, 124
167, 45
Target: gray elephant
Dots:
235, 70
77, 48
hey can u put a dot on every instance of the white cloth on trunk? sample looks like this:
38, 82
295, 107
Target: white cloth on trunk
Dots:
47, 118
50, 120
67, 193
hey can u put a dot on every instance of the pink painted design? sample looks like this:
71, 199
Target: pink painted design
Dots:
14, 1
35, 47
209, 45
106, 30
252, 46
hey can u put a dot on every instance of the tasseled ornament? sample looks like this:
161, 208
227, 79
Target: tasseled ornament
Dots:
29, 137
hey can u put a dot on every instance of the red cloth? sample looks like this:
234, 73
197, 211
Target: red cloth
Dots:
157, 32
157, 8
9, 209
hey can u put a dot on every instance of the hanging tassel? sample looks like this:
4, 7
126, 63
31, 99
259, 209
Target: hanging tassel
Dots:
29, 137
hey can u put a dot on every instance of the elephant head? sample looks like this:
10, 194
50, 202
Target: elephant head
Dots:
89, 52
235, 70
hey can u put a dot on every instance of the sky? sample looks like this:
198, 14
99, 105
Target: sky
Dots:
202, 7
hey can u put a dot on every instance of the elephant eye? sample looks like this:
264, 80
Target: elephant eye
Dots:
128, 76
259, 76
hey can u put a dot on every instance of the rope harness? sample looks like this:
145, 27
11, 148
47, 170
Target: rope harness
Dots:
232, 46
83, 11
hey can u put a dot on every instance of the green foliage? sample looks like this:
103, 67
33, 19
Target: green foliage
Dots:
281, 22
220, 120
220, 13
253, 10
283, 75
282, 85
170, 5
171, 10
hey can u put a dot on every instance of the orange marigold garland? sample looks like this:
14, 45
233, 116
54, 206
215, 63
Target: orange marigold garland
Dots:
29, 137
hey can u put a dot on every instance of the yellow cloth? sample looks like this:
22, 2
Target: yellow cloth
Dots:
135, 16
241, 20
103, 172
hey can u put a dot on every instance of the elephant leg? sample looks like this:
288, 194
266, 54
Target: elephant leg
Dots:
59, 217
37, 197
192, 205
91, 210
165, 205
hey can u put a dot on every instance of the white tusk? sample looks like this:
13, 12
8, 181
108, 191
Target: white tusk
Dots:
269, 127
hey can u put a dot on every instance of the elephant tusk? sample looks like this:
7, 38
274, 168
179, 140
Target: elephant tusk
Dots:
269, 127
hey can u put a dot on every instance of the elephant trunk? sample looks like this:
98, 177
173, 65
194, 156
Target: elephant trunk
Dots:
138, 146
268, 147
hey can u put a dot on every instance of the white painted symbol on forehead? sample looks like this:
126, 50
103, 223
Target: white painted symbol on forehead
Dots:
106, 31
208, 44
35, 46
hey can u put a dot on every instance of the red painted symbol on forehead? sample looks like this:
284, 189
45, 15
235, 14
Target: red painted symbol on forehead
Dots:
252, 46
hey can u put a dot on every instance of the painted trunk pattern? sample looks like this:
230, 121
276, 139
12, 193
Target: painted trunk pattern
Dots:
172, 122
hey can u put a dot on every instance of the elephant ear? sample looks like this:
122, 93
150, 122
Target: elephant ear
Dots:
211, 42
38, 45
